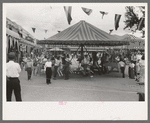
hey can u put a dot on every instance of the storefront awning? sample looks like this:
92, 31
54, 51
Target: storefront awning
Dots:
12, 33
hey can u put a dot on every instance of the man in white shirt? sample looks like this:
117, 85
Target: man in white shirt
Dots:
12, 74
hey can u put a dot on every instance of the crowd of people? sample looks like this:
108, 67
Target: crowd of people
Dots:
64, 64
131, 62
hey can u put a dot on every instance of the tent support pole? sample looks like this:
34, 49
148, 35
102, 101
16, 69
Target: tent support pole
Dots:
87, 51
81, 50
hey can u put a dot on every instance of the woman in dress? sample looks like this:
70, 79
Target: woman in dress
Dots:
142, 69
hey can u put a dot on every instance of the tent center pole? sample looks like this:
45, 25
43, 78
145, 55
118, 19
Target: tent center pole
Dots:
81, 50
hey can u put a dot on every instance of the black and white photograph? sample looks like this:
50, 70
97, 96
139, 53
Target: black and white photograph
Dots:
75, 61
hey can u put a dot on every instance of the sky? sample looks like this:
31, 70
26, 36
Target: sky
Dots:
52, 17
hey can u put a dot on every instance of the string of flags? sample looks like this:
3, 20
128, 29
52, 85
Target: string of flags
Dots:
88, 11
33, 29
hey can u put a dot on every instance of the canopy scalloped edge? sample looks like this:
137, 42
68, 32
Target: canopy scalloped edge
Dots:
77, 42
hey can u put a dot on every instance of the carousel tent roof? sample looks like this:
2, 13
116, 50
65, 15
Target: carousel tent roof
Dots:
83, 33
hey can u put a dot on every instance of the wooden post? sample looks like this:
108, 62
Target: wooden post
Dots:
81, 51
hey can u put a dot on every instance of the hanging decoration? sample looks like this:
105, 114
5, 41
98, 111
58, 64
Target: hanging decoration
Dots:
87, 11
110, 31
103, 13
46, 31
33, 29
117, 19
68, 13
143, 32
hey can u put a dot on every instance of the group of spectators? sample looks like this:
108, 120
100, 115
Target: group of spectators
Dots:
52, 65
106, 61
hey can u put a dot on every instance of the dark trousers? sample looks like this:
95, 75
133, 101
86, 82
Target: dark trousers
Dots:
48, 75
13, 84
66, 71
122, 71
29, 72
129, 72
55, 71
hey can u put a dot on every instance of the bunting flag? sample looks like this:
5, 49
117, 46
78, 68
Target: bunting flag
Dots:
141, 23
143, 32
110, 31
68, 13
87, 11
103, 13
46, 31
33, 29
117, 19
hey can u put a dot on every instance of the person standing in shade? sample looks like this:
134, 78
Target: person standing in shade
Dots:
35, 66
142, 69
66, 68
122, 67
29, 68
12, 75
131, 70
48, 69
63, 63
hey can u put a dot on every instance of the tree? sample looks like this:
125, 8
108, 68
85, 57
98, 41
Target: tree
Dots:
135, 20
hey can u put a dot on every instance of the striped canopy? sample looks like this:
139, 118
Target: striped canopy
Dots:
83, 33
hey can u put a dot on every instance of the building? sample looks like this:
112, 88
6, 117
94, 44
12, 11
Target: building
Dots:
20, 41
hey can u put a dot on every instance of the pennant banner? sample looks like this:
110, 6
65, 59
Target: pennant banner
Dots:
141, 23
143, 32
87, 11
33, 29
103, 13
110, 31
117, 19
68, 13
46, 31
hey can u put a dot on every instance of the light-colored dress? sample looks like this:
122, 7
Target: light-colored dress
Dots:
142, 71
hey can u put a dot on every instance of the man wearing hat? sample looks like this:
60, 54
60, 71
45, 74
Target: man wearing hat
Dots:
12, 74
